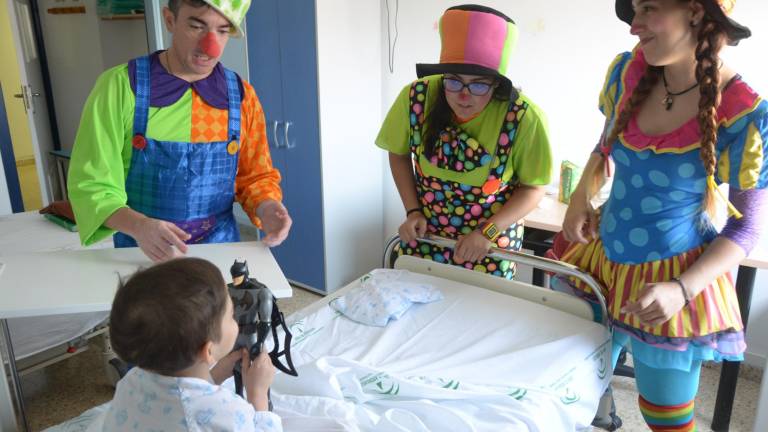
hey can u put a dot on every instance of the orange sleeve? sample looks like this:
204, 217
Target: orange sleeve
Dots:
257, 180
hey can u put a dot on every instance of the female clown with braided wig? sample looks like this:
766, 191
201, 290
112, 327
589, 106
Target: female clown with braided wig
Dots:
678, 123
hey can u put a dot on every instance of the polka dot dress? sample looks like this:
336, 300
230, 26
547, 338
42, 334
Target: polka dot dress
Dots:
654, 210
454, 209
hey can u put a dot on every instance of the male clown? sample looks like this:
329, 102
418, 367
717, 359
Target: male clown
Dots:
168, 142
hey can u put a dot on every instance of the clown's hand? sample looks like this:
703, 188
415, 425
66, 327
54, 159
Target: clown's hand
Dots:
275, 222
657, 303
160, 240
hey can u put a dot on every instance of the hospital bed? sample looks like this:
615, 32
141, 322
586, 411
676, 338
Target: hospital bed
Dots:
491, 355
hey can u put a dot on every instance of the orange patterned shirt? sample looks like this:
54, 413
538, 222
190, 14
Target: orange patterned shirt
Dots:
257, 180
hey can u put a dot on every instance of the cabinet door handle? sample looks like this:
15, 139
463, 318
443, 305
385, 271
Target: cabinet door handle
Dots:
287, 142
274, 134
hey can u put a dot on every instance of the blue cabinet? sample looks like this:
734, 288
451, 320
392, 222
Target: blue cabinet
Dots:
282, 63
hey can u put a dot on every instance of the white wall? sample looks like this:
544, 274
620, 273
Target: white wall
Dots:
560, 63
563, 52
349, 73
122, 40
79, 47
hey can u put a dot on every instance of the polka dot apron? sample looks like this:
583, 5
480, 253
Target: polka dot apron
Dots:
454, 209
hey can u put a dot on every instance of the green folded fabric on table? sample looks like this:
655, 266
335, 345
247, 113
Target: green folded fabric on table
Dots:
62, 222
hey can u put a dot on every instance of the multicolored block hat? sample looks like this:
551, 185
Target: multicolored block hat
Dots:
475, 40
716, 9
233, 10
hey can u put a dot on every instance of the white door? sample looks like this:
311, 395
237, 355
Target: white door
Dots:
33, 95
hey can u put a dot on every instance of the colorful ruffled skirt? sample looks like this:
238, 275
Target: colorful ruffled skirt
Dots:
708, 328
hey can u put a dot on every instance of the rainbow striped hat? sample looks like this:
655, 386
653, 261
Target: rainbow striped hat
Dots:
718, 10
475, 40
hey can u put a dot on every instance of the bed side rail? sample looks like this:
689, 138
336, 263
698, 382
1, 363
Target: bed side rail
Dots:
519, 289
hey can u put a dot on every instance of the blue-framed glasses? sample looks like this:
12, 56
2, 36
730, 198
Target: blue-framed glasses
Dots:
475, 88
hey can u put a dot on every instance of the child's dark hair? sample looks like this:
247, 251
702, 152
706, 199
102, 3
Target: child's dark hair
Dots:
175, 5
164, 315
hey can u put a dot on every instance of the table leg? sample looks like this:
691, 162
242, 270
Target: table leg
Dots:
62, 178
539, 241
726, 390
8, 420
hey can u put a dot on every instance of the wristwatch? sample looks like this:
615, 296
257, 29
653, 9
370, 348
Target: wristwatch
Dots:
490, 231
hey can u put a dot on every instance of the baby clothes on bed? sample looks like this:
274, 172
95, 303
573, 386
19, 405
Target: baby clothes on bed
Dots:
149, 401
384, 295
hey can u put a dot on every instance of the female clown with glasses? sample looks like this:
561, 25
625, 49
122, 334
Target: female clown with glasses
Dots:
469, 154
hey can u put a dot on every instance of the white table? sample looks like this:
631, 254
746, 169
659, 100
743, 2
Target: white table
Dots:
75, 281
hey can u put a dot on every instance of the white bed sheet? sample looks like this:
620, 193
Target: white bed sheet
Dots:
31, 232
475, 361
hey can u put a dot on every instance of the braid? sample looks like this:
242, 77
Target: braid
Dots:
711, 40
639, 94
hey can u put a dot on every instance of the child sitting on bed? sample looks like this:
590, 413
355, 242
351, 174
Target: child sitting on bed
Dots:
174, 321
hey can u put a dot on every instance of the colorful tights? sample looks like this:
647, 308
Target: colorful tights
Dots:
666, 395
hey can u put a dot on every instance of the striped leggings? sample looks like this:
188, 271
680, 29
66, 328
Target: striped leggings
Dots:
666, 395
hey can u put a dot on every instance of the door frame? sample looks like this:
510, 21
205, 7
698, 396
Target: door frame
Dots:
37, 29
47, 183
8, 159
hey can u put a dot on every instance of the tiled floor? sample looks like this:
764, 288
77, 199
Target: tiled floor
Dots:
68, 388
744, 407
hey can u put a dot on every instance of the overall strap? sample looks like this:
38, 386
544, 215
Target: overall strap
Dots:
417, 102
233, 98
141, 110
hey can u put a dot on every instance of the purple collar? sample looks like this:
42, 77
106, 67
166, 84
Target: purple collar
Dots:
166, 89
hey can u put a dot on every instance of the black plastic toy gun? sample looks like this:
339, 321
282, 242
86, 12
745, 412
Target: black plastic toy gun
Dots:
256, 314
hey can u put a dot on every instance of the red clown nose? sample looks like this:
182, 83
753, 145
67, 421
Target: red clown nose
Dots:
209, 45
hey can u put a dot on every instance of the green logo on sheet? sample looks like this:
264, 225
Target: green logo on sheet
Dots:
380, 383
445, 383
602, 368
570, 397
300, 334
449, 384
517, 393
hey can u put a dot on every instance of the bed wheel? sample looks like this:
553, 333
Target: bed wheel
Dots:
118, 367
114, 368
606, 417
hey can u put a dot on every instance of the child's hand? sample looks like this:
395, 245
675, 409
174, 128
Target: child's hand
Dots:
258, 377
224, 367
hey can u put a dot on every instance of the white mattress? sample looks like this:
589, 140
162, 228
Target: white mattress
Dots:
31, 232
475, 361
